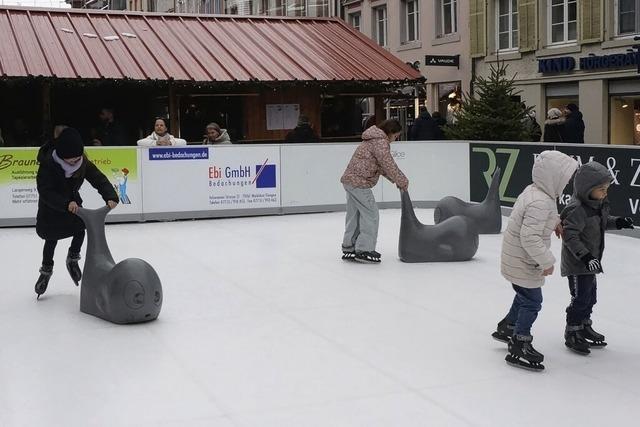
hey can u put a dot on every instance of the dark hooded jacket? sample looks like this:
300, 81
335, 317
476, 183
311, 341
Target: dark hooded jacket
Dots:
585, 220
425, 128
54, 221
553, 130
302, 134
574, 128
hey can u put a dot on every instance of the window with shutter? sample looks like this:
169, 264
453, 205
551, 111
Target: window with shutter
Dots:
590, 21
528, 25
478, 29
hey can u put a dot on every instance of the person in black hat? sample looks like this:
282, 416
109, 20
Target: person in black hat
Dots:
63, 168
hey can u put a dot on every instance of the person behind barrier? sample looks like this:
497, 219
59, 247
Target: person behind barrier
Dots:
303, 132
161, 136
425, 128
62, 171
216, 135
110, 132
371, 159
574, 125
554, 126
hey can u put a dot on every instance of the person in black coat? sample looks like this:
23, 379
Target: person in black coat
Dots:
303, 132
554, 126
63, 168
574, 125
425, 128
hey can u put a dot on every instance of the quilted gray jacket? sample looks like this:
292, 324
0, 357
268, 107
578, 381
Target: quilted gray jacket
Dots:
585, 220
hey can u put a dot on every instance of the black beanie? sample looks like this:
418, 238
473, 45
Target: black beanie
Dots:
69, 144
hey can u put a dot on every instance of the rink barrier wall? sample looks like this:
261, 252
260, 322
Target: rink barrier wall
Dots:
172, 183
516, 161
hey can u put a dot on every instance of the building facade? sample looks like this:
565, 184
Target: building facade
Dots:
433, 35
567, 51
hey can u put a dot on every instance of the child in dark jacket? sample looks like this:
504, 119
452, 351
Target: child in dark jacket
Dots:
585, 221
63, 168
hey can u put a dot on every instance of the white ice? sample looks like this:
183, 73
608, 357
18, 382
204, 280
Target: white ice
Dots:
263, 325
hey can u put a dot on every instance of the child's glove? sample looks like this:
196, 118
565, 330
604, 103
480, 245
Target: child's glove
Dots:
626, 222
593, 264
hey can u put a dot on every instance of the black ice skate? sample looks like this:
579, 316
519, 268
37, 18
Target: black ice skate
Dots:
523, 355
574, 339
43, 281
372, 257
73, 268
594, 339
504, 332
348, 254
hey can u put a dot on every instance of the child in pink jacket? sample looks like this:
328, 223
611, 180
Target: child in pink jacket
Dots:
371, 159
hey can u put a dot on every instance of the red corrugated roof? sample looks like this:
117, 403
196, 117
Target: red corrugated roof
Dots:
74, 43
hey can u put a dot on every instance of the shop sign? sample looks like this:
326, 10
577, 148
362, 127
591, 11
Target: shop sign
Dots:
609, 61
556, 65
442, 60
589, 63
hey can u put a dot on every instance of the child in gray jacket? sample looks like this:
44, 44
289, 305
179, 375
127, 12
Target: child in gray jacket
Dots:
585, 220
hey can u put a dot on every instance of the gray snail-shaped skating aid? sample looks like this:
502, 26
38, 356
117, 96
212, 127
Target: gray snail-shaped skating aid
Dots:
454, 239
127, 292
487, 215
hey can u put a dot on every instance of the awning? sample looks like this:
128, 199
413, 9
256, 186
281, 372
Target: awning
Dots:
80, 44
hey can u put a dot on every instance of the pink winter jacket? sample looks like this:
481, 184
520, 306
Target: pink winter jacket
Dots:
371, 159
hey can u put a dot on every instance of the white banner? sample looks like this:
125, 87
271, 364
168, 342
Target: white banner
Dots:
186, 179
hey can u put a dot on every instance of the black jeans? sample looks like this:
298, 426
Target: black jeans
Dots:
50, 247
583, 290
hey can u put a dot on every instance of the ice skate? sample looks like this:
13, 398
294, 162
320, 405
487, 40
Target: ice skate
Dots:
43, 281
372, 257
523, 355
574, 340
593, 338
73, 268
504, 331
348, 254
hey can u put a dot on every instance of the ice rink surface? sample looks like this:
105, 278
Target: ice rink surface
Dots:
263, 325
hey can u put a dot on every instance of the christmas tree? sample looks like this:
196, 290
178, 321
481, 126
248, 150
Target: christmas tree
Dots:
496, 114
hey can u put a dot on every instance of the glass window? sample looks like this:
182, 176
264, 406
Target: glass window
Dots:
317, 7
448, 16
625, 119
628, 17
412, 20
380, 25
563, 17
507, 11
354, 20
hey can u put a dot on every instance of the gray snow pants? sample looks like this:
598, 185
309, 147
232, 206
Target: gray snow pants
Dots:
361, 224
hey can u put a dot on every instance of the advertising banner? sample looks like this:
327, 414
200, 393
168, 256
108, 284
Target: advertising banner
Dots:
121, 166
18, 188
516, 162
18, 194
184, 179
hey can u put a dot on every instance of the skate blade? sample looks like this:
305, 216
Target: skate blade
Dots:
366, 261
501, 338
597, 345
513, 361
577, 351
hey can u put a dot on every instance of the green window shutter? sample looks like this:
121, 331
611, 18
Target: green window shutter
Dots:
528, 25
478, 28
590, 21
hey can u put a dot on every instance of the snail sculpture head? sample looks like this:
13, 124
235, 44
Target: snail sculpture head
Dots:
127, 292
